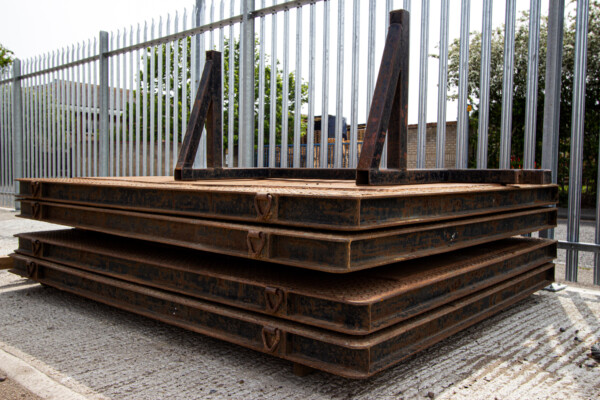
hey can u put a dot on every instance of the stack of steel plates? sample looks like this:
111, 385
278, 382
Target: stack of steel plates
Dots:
327, 274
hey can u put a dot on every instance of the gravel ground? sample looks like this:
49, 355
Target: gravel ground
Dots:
537, 349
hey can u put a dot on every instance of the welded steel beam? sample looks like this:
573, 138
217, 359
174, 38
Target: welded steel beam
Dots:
389, 107
339, 207
207, 106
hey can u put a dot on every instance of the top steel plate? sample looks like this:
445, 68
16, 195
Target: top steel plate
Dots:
333, 205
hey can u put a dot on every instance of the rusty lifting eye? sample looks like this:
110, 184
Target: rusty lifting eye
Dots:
36, 188
37, 248
262, 204
273, 299
271, 338
255, 236
36, 208
31, 269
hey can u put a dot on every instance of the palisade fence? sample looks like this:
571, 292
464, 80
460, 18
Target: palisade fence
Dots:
118, 105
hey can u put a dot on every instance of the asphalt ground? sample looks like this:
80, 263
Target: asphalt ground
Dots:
56, 345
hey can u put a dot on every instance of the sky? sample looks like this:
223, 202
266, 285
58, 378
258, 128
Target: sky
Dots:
33, 27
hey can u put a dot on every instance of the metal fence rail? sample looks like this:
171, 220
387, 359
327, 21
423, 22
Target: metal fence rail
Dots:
119, 104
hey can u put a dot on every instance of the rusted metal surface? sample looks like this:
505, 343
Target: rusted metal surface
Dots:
267, 173
357, 303
311, 204
416, 176
331, 252
389, 108
380, 177
6, 262
207, 106
349, 356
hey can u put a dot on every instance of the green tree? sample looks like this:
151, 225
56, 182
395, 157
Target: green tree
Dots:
267, 110
169, 77
592, 98
496, 82
6, 56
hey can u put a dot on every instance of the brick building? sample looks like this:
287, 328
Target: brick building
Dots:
430, 146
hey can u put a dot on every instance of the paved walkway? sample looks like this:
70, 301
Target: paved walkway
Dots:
60, 346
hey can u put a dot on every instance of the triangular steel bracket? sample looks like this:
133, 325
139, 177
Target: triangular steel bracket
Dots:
207, 107
388, 117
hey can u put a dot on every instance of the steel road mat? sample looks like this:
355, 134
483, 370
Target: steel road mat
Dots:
340, 354
358, 303
335, 205
331, 252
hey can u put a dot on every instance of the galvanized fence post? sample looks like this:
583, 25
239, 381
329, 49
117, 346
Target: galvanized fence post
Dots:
507, 83
462, 130
17, 117
532, 85
597, 238
246, 117
484, 85
423, 72
103, 101
440, 155
577, 137
197, 67
556, 16
197, 64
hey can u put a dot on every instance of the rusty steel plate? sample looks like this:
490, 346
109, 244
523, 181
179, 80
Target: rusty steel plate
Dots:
337, 353
358, 303
335, 205
338, 252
